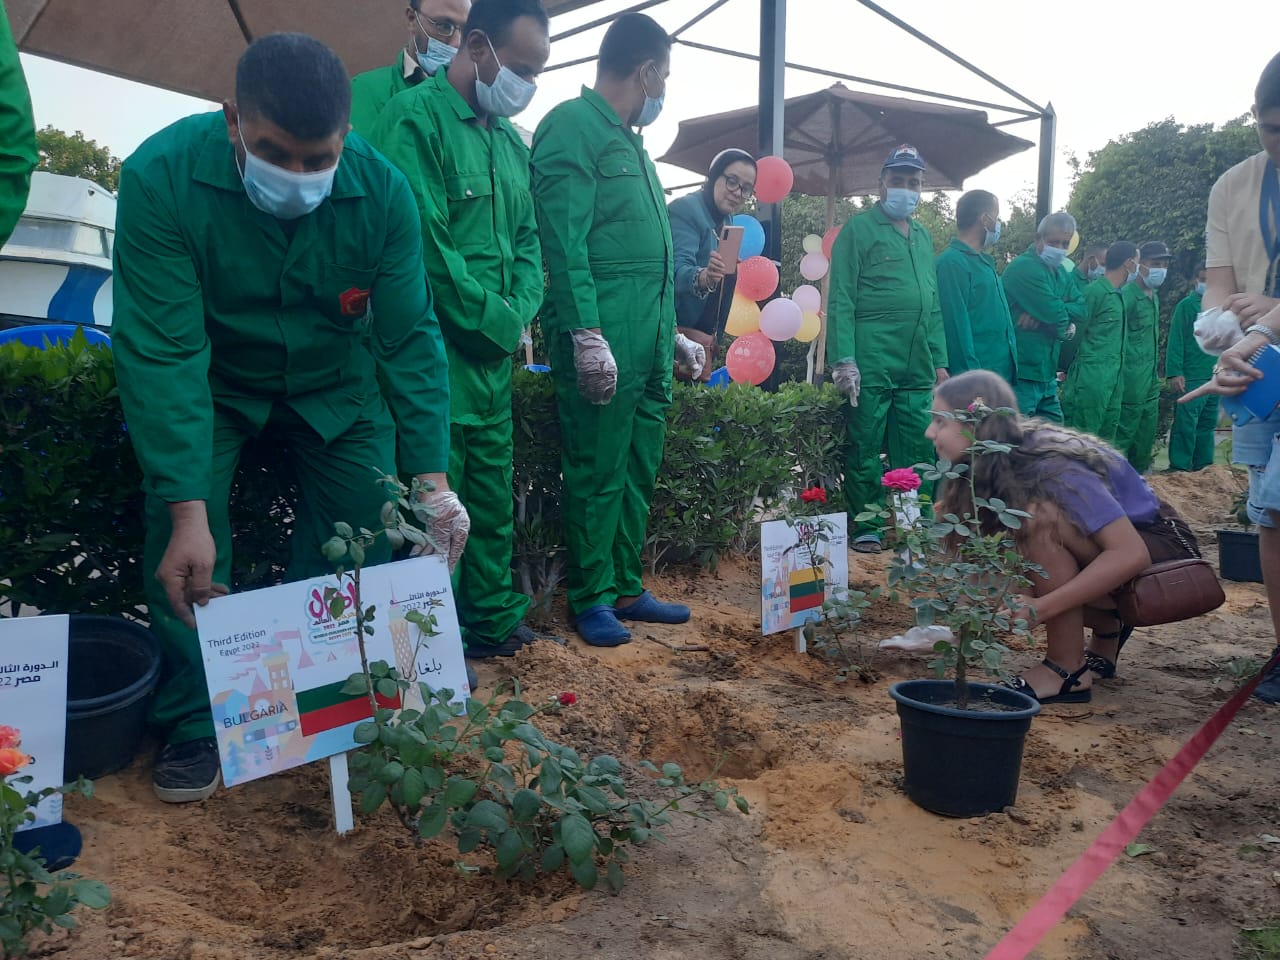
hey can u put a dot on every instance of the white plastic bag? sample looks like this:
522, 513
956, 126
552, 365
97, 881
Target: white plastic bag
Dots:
1217, 330
918, 639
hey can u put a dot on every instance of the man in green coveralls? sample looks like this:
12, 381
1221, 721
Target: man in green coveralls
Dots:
1091, 267
435, 31
469, 171
609, 320
17, 133
1186, 367
1139, 373
1091, 395
251, 247
1045, 304
975, 312
886, 343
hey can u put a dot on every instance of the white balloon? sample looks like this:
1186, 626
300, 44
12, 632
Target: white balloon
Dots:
812, 243
814, 266
781, 319
809, 298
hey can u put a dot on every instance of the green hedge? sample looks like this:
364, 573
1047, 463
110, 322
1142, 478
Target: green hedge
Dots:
71, 514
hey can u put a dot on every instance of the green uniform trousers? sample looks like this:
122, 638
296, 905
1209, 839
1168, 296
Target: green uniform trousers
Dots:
1136, 434
1038, 398
1092, 404
336, 482
480, 473
1191, 440
885, 418
610, 460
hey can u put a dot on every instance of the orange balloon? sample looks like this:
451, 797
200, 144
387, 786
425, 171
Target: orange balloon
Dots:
774, 179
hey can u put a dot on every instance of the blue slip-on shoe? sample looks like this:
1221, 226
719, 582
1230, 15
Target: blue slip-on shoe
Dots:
59, 844
867, 543
599, 627
649, 609
1268, 691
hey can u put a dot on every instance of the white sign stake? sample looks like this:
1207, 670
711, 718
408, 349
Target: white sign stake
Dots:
343, 817
801, 646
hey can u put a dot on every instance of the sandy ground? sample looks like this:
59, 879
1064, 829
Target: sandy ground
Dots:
832, 862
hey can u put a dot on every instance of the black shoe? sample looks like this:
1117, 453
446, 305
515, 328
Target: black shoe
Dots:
1268, 691
520, 637
185, 772
58, 844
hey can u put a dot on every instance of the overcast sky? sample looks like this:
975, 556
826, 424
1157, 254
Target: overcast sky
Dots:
1197, 70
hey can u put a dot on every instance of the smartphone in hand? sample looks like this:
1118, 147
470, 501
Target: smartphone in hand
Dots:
730, 245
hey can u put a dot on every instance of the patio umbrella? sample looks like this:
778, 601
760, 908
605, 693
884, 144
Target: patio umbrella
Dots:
192, 46
836, 139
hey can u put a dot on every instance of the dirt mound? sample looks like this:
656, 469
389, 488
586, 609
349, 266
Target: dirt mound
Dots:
1203, 498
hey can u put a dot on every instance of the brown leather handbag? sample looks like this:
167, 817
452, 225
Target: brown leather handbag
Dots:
1175, 589
1170, 591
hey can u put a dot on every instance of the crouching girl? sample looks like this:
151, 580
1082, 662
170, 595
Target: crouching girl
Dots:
1095, 524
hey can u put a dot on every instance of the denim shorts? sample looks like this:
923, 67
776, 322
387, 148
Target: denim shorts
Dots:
1254, 446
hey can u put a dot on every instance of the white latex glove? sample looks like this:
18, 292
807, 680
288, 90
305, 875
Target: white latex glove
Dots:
1217, 330
918, 639
1071, 331
847, 380
597, 370
447, 527
692, 357
526, 337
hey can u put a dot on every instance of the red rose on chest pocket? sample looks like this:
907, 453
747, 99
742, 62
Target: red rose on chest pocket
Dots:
354, 302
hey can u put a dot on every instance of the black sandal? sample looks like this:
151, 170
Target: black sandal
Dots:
1104, 668
1066, 693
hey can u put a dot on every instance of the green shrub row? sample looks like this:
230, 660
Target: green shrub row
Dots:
71, 512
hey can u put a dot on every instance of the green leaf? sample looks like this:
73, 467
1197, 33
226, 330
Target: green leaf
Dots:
1138, 849
357, 552
365, 732
721, 800
487, 815
387, 688
343, 530
552, 858
509, 850
459, 791
741, 803
391, 773
613, 874
93, 894
468, 839
334, 550
372, 798
355, 685
432, 820
585, 873
578, 838
412, 786
525, 805
671, 771
593, 799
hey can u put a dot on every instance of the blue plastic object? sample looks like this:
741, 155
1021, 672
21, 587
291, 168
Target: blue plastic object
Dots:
41, 334
1261, 397
720, 378
537, 368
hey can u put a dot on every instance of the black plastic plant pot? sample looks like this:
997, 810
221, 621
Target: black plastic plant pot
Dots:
113, 666
962, 763
1238, 557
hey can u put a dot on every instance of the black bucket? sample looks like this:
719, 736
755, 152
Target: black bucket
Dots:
961, 763
113, 666
1238, 557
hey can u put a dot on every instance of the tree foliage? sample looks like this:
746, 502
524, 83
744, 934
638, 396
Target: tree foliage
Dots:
72, 155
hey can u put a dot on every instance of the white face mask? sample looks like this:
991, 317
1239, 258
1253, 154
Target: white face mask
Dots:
282, 193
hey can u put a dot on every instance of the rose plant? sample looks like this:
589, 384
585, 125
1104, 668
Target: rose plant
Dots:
34, 899
962, 571
481, 770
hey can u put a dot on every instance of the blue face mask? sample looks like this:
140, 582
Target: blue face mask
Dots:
437, 55
899, 202
992, 237
1200, 289
1095, 273
652, 105
282, 193
507, 95
1155, 276
1053, 257
1133, 275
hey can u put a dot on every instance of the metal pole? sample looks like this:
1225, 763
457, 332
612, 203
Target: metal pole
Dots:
1048, 148
773, 57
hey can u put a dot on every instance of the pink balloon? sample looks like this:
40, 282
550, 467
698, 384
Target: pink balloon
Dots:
774, 179
781, 319
750, 359
829, 240
814, 266
757, 278
809, 298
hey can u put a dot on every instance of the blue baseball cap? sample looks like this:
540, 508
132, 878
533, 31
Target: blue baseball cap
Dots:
904, 156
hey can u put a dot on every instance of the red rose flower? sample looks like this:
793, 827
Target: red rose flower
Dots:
814, 495
904, 479
354, 303
9, 737
567, 699
12, 760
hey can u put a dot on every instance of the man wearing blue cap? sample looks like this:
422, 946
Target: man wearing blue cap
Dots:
886, 343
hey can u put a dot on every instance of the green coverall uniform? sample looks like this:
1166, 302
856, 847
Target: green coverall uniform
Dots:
1191, 440
372, 90
602, 219
480, 245
17, 133
1139, 376
1049, 296
975, 313
1091, 395
227, 319
883, 314
1068, 349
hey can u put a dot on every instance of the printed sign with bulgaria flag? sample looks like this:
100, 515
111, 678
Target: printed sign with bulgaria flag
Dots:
276, 662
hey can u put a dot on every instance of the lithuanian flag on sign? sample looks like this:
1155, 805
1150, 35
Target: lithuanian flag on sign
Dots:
327, 708
807, 590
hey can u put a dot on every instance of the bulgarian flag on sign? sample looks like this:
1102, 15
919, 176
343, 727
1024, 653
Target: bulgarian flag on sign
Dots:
327, 708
